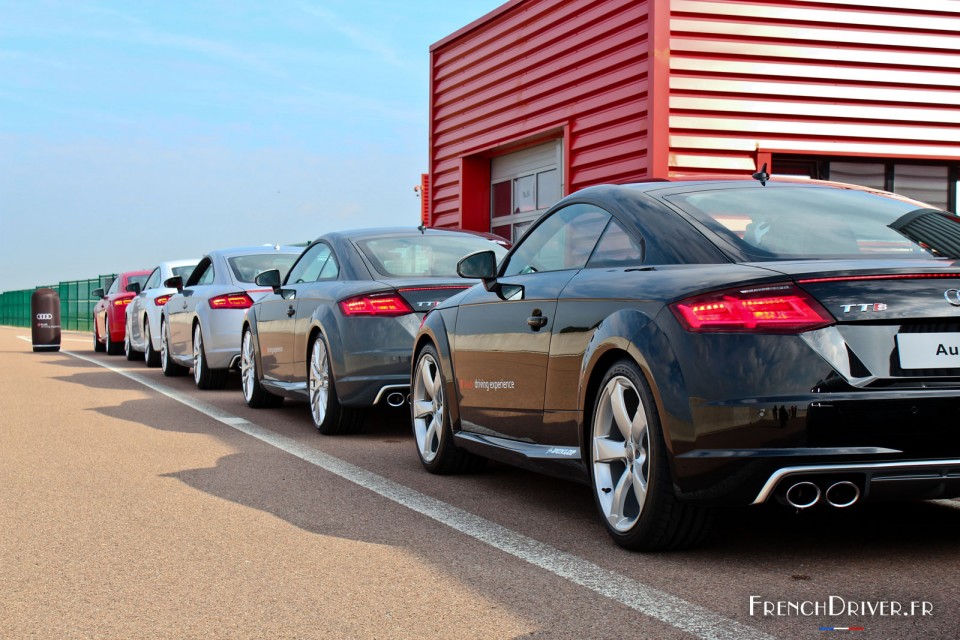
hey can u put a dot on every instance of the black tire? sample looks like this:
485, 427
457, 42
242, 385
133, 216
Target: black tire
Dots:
329, 416
205, 377
430, 417
113, 348
129, 352
630, 472
98, 346
150, 355
170, 368
253, 392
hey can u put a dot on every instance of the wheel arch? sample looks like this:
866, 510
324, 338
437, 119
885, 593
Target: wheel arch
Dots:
433, 331
635, 335
250, 322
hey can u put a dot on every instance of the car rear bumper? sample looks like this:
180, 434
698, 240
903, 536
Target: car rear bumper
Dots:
903, 479
222, 339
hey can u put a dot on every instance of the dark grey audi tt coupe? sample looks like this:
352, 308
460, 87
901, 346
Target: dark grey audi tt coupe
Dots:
338, 331
681, 345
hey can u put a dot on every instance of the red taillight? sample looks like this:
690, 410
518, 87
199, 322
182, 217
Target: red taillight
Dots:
375, 305
779, 308
161, 300
231, 301
121, 302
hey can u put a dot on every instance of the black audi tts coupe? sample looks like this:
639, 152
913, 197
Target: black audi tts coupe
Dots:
682, 345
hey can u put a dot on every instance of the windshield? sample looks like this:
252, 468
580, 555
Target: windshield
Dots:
184, 272
140, 280
246, 268
783, 223
423, 255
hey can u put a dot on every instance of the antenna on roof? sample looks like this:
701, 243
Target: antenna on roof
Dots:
762, 175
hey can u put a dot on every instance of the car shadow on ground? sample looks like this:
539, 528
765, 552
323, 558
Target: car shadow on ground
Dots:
767, 530
823, 532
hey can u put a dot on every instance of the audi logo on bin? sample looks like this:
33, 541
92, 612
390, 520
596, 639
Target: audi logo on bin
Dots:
952, 296
45, 309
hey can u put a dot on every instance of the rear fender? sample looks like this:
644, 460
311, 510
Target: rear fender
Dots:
250, 320
324, 321
434, 331
635, 334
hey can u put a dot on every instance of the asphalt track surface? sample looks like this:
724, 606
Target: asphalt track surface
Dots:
136, 506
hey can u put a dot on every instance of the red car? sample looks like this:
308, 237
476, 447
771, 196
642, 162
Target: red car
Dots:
109, 317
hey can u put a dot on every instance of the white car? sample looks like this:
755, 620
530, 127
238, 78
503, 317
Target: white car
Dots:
200, 325
143, 312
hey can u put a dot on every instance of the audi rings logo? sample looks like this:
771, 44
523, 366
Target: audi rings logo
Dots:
49, 316
952, 296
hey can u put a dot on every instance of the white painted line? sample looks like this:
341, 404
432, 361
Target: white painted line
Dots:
694, 619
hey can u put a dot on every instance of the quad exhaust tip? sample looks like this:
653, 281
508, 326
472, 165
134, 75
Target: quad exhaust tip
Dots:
842, 494
805, 494
802, 495
396, 399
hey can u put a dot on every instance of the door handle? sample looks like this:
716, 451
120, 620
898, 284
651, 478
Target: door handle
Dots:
537, 321
290, 311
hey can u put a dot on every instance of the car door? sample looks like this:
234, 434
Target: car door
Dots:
137, 308
103, 308
279, 315
182, 309
502, 337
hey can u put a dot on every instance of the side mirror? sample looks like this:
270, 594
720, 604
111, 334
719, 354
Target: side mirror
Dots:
174, 282
133, 287
481, 265
96, 293
269, 278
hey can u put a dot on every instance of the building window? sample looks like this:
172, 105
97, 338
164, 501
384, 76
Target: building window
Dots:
923, 182
934, 184
865, 174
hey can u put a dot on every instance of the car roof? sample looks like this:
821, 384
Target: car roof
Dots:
357, 234
746, 182
178, 263
135, 272
256, 249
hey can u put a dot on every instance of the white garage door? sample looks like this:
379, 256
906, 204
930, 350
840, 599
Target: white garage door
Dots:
524, 185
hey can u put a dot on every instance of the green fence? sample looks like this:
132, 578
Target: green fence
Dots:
76, 304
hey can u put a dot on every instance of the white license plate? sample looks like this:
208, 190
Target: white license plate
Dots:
929, 350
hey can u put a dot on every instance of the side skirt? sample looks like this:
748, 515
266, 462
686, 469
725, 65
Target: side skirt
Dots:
558, 461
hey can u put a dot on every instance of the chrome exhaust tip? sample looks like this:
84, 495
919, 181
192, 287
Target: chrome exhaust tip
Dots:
842, 494
802, 495
396, 399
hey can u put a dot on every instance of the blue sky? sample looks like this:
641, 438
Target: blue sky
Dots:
135, 132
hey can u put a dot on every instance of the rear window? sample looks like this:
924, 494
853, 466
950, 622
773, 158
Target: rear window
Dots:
433, 255
246, 268
783, 223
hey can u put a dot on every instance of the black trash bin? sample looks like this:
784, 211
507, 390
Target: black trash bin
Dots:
45, 311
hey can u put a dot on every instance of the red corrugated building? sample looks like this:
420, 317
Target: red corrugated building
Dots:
540, 98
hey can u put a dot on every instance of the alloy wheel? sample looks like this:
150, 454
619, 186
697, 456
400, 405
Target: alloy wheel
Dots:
197, 355
428, 407
164, 338
621, 454
248, 366
319, 380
